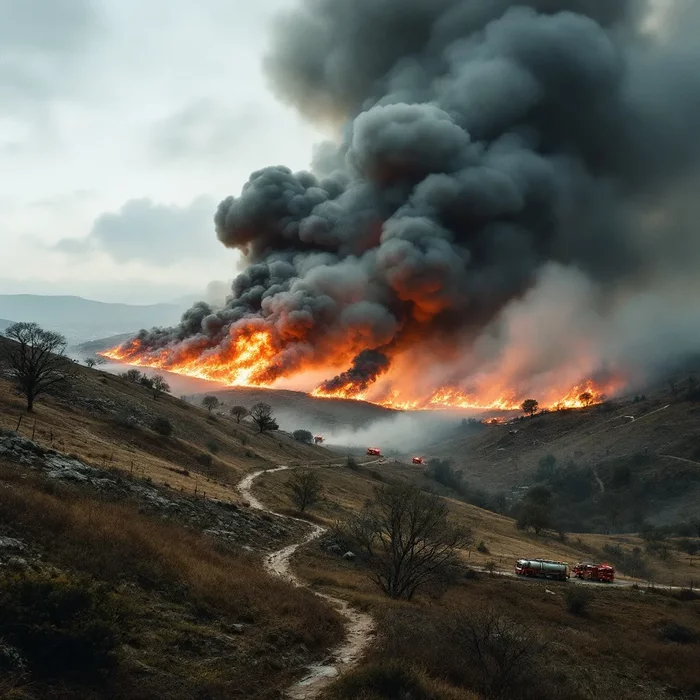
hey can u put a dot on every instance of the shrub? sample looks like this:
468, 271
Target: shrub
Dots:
206, 460
688, 546
162, 426
304, 488
577, 600
213, 446
483, 548
631, 562
303, 436
62, 626
679, 634
126, 420
352, 463
383, 679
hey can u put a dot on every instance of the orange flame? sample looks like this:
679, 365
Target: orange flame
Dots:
248, 360
249, 356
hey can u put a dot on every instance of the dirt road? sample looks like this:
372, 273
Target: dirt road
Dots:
359, 626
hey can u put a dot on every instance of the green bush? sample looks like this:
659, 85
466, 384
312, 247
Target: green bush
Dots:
392, 680
303, 436
680, 634
162, 426
577, 601
483, 548
60, 626
126, 420
206, 460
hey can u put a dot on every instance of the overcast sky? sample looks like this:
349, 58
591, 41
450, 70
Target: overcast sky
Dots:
123, 123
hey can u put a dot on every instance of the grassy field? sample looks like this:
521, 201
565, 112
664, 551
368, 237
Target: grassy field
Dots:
623, 644
346, 490
180, 614
662, 426
105, 421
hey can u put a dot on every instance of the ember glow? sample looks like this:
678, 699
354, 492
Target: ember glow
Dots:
586, 393
244, 361
249, 360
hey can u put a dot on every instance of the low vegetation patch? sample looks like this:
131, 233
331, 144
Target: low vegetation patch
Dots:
183, 593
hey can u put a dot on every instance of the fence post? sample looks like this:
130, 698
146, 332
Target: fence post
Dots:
19, 422
33, 430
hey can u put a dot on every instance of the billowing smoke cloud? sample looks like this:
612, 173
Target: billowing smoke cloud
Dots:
485, 143
366, 367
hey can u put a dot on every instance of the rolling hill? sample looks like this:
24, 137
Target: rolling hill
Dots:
83, 319
297, 410
150, 529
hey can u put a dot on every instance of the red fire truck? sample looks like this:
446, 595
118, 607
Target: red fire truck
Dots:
542, 568
318, 439
374, 451
417, 460
605, 573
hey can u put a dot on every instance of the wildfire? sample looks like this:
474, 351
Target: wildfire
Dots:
582, 395
245, 361
249, 358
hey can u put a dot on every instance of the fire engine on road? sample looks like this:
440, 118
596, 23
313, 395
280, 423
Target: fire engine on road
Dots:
374, 451
417, 460
542, 568
605, 573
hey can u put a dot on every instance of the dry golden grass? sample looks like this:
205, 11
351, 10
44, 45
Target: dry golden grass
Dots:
95, 437
615, 649
184, 591
347, 490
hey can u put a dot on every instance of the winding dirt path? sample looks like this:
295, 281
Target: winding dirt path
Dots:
359, 626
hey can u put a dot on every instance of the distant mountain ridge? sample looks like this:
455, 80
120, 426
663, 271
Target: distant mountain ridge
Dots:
82, 319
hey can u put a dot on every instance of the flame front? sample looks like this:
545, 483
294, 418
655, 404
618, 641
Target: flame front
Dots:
246, 360
586, 393
250, 356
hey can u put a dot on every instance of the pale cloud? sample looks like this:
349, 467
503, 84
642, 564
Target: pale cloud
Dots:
124, 124
143, 230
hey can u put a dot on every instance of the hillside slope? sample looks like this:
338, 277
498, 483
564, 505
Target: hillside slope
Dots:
83, 319
650, 444
295, 409
106, 421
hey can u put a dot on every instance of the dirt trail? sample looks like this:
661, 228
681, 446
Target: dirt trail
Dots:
359, 626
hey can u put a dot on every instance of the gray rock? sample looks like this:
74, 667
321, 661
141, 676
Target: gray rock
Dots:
12, 544
349, 555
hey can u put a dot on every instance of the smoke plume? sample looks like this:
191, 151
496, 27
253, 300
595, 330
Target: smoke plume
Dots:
512, 179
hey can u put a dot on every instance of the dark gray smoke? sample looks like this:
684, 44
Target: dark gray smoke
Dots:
366, 367
484, 141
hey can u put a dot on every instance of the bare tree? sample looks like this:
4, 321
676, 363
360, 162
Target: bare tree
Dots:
36, 359
91, 362
159, 386
210, 403
305, 488
261, 413
132, 375
406, 539
530, 406
502, 654
239, 412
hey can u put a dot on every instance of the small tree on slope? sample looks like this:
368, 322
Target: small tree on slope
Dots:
405, 538
261, 413
36, 360
305, 488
